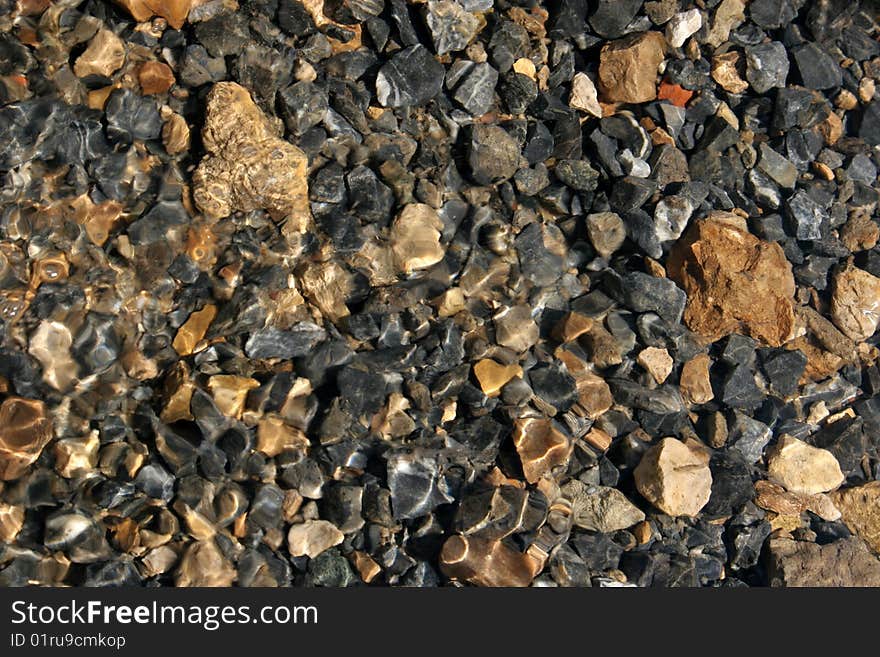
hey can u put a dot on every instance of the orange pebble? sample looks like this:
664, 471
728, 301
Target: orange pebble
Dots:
674, 93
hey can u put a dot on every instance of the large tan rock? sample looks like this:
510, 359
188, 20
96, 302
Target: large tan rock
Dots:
248, 166
24, 432
675, 477
628, 68
734, 283
541, 447
600, 508
855, 302
802, 468
860, 510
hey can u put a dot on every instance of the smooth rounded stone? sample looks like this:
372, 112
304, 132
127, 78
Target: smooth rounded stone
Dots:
312, 537
734, 283
515, 328
802, 468
628, 68
248, 166
657, 362
130, 117
50, 345
682, 26
155, 78
584, 96
271, 342
203, 564
855, 302
452, 28
476, 93
485, 562
606, 231
541, 446
494, 155
675, 477
415, 238
766, 66
411, 77
600, 508
846, 562
860, 510
156, 482
302, 106
25, 429
104, 56
695, 383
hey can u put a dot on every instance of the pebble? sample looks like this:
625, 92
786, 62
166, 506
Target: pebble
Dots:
485, 562
695, 382
606, 231
675, 477
411, 77
766, 66
493, 156
657, 362
415, 238
802, 468
25, 429
155, 77
312, 537
452, 28
515, 328
104, 55
855, 302
682, 26
628, 68
174, 11
846, 562
541, 447
493, 376
584, 96
600, 508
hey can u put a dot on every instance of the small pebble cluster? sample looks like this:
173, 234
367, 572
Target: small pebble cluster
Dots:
439, 292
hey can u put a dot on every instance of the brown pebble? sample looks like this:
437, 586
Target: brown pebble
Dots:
155, 77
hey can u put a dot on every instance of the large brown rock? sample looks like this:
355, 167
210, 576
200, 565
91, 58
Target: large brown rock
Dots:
734, 283
248, 166
24, 432
860, 511
174, 11
485, 562
628, 68
842, 563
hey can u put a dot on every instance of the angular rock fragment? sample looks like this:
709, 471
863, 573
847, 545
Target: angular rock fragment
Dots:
541, 447
193, 330
657, 362
452, 28
695, 384
855, 302
104, 56
50, 344
485, 562
203, 564
802, 468
411, 77
584, 96
248, 166
734, 282
494, 156
25, 430
628, 68
312, 537
415, 238
493, 376
675, 477
766, 66
174, 11
600, 508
